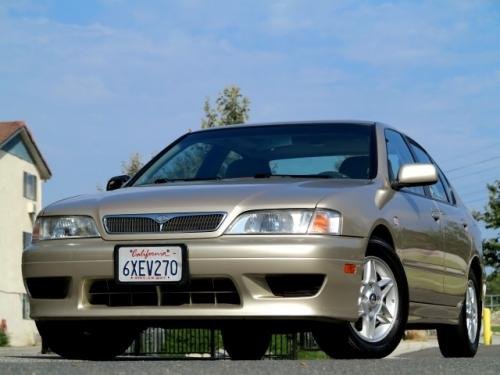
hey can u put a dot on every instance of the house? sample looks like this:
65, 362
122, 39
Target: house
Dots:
22, 170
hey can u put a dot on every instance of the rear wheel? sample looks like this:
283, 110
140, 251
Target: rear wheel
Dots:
245, 343
462, 340
383, 310
93, 341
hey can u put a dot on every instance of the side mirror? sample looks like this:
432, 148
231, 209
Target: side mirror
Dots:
117, 182
415, 175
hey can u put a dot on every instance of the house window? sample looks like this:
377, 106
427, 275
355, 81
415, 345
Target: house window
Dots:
30, 182
26, 307
26, 240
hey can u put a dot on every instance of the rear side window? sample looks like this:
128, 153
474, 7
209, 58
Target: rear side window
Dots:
451, 194
398, 154
437, 190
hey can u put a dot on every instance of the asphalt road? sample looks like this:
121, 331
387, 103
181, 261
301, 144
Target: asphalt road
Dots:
429, 361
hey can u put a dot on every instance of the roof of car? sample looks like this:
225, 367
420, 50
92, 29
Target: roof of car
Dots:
285, 123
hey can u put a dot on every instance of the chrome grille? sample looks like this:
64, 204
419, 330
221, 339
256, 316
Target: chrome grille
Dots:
163, 223
131, 225
200, 291
195, 223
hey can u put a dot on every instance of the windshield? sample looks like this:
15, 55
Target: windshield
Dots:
305, 150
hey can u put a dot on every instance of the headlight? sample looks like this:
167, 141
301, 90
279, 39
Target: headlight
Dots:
61, 227
287, 222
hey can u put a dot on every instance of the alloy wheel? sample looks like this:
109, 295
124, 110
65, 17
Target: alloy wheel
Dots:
378, 301
471, 315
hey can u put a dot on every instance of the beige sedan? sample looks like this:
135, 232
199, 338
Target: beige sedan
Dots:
347, 229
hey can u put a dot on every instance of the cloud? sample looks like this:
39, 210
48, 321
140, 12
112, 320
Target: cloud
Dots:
131, 70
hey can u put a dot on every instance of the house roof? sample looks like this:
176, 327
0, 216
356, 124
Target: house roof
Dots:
12, 129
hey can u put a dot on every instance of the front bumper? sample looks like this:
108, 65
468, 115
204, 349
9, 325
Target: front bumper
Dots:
243, 259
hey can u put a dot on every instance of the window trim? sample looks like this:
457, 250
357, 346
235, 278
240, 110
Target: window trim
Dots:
389, 169
447, 185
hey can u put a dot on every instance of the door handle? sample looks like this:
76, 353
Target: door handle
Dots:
436, 214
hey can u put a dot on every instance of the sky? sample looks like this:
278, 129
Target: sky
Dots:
98, 80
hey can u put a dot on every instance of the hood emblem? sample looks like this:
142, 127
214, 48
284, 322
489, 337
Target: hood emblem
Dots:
162, 219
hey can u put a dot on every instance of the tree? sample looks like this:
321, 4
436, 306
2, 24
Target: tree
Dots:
491, 218
231, 108
132, 166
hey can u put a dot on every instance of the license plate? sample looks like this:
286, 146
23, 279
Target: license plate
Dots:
149, 264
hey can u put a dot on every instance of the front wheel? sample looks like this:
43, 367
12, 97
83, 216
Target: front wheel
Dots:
382, 308
92, 341
462, 340
245, 343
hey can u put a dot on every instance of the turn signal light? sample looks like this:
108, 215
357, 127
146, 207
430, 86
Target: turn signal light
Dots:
350, 268
325, 222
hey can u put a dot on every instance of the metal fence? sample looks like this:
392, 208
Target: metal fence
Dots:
207, 343
492, 301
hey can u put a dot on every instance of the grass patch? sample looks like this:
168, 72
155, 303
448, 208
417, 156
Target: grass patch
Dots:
495, 329
311, 355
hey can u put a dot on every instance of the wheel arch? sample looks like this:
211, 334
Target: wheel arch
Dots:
382, 237
476, 268
382, 232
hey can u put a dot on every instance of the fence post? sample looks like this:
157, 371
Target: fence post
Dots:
295, 345
212, 343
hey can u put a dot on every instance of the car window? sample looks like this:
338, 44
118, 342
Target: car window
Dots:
308, 165
449, 190
398, 154
183, 164
230, 158
437, 190
323, 150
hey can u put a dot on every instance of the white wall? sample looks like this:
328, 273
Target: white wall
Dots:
14, 219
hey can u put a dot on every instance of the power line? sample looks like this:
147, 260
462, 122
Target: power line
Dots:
462, 155
474, 200
474, 173
480, 181
477, 194
476, 191
473, 164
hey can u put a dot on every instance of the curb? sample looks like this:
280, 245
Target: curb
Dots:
410, 346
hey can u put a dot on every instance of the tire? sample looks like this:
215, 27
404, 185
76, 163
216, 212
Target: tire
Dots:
91, 341
245, 343
457, 340
383, 306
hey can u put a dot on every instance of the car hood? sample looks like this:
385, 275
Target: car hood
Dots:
231, 197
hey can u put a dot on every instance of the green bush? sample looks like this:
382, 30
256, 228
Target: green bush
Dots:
191, 341
4, 339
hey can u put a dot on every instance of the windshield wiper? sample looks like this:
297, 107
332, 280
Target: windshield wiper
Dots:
258, 175
268, 175
167, 180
